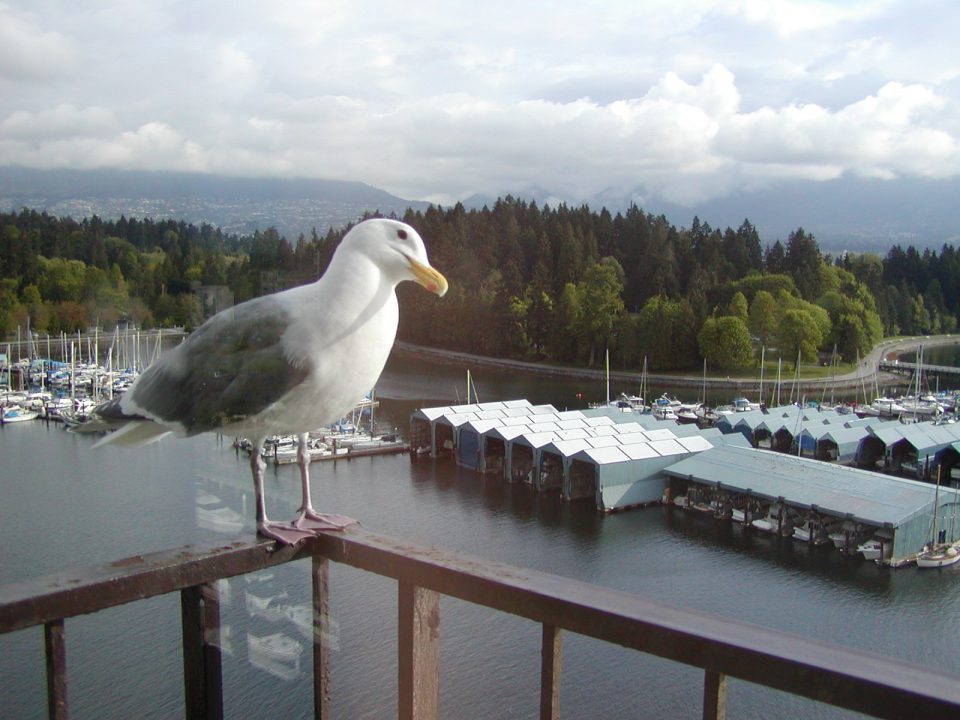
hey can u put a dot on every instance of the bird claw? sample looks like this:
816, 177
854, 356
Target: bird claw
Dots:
284, 533
312, 520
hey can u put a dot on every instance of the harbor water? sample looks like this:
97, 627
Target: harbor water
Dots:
66, 505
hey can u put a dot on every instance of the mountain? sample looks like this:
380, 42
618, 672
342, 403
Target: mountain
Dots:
239, 205
847, 214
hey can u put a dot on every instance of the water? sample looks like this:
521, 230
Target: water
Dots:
65, 505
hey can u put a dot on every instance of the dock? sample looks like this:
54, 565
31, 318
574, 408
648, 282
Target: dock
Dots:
813, 475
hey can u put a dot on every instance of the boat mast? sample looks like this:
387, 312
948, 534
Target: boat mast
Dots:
763, 350
704, 400
936, 509
608, 375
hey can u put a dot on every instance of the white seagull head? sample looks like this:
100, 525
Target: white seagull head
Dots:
397, 249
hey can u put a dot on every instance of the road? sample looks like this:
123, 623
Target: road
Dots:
864, 375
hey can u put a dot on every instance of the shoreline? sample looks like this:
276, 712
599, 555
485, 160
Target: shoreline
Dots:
866, 373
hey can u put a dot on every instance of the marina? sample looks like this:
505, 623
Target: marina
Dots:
684, 558
618, 457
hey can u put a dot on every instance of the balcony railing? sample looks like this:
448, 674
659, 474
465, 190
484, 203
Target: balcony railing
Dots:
721, 647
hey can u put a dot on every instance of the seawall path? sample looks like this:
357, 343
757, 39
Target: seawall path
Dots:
865, 374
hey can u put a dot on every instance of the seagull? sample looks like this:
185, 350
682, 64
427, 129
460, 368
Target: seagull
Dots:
285, 363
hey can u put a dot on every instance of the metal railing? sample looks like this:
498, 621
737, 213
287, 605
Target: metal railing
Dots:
722, 648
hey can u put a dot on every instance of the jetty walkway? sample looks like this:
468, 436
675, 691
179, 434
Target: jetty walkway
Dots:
867, 373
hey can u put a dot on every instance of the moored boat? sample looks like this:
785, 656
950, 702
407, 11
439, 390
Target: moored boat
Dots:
15, 414
938, 556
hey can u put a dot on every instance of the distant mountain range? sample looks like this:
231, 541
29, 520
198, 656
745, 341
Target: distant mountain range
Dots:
856, 215
847, 214
238, 205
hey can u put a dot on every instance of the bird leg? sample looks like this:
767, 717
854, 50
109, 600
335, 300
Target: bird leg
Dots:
307, 517
283, 533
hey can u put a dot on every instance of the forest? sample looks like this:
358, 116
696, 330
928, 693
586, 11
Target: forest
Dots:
560, 284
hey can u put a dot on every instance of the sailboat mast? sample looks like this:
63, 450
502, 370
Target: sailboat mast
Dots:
762, 354
936, 510
608, 375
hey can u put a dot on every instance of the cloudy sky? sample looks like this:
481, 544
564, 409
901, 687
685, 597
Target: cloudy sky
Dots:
684, 100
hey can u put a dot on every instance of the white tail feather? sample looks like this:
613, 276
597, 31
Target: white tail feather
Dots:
134, 434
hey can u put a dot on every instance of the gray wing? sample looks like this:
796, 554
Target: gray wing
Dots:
229, 369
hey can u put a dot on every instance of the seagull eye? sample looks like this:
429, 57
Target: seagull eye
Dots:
402, 234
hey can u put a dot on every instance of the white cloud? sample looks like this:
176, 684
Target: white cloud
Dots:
62, 122
683, 100
28, 53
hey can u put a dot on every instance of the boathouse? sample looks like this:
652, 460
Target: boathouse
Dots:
839, 444
896, 510
436, 429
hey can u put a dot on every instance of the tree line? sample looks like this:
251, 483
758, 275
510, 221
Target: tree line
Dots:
559, 284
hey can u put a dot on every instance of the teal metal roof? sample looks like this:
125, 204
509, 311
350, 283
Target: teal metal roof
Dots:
865, 496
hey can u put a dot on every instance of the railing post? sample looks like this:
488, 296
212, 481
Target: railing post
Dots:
714, 696
202, 675
550, 662
53, 637
321, 637
419, 645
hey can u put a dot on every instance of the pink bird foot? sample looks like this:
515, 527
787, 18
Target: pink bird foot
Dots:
312, 520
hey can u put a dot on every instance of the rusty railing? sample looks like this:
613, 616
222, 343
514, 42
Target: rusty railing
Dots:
722, 648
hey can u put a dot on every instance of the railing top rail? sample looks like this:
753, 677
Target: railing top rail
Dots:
840, 676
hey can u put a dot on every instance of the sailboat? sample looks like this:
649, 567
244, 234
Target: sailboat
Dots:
936, 554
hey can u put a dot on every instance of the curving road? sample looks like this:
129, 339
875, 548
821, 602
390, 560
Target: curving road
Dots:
865, 374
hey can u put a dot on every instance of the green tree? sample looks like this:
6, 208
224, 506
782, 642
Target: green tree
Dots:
8, 305
738, 307
802, 262
725, 342
602, 302
762, 318
568, 317
668, 334
799, 334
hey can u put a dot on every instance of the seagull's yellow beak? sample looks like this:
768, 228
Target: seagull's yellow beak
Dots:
428, 277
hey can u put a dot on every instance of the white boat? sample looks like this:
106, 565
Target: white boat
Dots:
664, 412
873, 549
15, 413
811, 531
689, 414
938, 556
841, 535
770, 522
741, 404
887, 407
738, 515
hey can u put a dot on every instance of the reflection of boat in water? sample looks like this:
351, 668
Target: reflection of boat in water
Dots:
261, 603
301, 617
213, 514
278, 654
